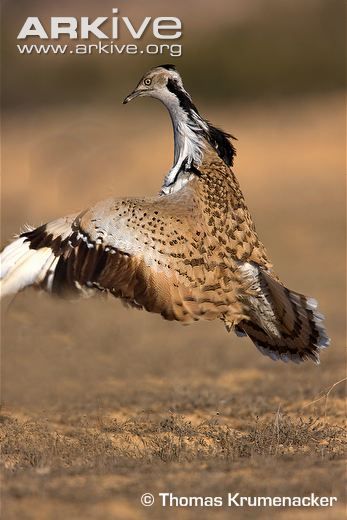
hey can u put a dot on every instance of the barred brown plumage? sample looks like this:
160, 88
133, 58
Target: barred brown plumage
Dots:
190, 253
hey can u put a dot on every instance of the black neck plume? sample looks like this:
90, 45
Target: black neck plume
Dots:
220, 141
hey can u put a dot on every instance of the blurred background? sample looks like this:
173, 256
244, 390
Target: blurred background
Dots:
270, 72
252, 50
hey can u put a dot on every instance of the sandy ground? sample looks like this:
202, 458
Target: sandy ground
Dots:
101, 404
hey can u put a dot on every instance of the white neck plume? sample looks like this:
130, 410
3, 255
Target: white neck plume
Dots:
189, 142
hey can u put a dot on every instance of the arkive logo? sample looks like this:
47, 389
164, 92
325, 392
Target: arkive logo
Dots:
106, 31
102, 27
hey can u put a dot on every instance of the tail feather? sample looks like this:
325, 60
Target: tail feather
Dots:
284, 324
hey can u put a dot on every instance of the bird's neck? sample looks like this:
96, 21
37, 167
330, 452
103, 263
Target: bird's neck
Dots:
189, 145
192, 136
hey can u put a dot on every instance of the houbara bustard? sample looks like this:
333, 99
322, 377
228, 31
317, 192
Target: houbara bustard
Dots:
190, 253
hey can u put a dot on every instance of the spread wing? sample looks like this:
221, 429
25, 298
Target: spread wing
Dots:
149, 252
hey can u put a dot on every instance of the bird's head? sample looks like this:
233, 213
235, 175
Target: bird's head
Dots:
162, 82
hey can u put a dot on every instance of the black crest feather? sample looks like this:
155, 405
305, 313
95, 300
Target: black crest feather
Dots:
168, 66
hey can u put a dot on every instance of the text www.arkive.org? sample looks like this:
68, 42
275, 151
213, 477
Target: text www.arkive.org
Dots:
174, 50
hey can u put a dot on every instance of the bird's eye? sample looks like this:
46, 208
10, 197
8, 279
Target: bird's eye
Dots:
147, 81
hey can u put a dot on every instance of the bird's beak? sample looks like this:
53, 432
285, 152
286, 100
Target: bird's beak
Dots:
133, 95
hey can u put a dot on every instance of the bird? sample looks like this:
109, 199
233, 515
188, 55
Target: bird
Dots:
189, 253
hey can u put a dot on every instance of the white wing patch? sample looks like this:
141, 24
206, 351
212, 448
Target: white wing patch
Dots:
22, 266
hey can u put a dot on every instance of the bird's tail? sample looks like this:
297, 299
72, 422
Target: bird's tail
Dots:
32, 257
286, 325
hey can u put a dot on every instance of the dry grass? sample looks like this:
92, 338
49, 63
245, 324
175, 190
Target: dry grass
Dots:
101, 404
92, 460
106, 443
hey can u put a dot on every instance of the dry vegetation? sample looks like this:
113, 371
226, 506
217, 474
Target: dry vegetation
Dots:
102, 404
